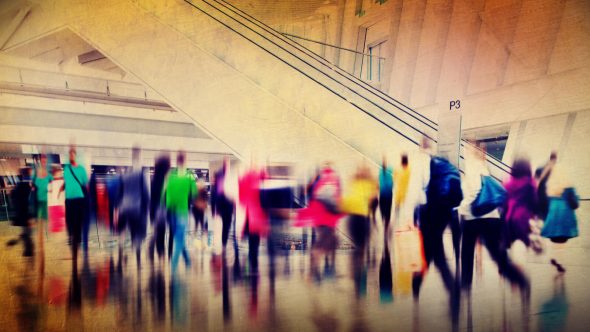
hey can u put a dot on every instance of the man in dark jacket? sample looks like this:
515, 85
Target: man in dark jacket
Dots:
134, 203
20, 198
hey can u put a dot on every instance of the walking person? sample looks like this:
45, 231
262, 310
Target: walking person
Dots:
158, 207
21, 199
133, 206
485, 225
403, 209
180, 190
363, 189
75, 186
385, 194
521, 202
198, 209
561, 223
257, 223
323, 214
41, 181
443, 194
56, 201
221, 203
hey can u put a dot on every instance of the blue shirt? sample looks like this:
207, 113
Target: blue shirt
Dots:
386, 180
73, 188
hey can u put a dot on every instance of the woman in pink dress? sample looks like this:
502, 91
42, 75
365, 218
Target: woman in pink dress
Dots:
256, 225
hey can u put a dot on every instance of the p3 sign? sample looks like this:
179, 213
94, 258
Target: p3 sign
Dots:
454, 104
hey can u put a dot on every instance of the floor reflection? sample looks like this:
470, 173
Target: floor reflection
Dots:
286, 292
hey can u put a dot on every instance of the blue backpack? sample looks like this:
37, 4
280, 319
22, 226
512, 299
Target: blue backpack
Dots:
444, 189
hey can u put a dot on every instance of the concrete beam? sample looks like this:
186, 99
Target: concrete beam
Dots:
460, 49
406, 51
534, 42
14, 25
429, 59
95, 138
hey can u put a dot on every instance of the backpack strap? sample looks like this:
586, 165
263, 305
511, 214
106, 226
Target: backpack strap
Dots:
77, 180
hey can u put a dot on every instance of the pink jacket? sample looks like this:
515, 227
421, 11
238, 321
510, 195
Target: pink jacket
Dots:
520, 206
249, 194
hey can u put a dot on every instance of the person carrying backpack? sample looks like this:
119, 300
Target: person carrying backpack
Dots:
443, 195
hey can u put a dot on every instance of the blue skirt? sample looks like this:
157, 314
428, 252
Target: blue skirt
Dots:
561, 220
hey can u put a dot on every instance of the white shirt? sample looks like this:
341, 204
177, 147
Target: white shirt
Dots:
419, 178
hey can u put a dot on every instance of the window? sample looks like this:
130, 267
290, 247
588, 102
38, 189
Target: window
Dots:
493, 139
373, 62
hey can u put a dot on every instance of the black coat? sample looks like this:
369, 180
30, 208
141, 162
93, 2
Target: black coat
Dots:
21, 200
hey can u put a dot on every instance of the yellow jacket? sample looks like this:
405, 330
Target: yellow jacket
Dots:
359, 196
401, 180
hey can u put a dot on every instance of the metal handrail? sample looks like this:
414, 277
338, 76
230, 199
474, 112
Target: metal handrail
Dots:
287, 41
330, 45
315, 80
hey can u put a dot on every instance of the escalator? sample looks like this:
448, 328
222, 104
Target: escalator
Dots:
383, 108
387, 104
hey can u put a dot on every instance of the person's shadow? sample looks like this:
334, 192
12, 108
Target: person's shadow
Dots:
385, 276
74, 320
554, 311
29, 309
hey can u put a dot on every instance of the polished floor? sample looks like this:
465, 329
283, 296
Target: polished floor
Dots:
112, 293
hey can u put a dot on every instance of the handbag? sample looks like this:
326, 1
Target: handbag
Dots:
409, 251
572, 199
491, 196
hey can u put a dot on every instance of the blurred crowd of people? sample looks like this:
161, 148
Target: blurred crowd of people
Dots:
414, 201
